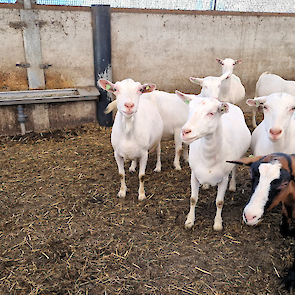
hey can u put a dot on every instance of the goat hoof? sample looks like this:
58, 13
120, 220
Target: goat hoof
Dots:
217, 227
121, 194
232, 189
177, 167
189, 225
141, 197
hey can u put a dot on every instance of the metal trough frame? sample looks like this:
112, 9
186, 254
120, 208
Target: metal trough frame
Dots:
20, 98
48, 96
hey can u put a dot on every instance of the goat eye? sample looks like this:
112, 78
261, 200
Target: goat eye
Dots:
264, 107
115, 89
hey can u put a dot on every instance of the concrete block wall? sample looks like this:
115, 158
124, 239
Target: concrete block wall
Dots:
66, 44
66, 40
168, 47
158, 46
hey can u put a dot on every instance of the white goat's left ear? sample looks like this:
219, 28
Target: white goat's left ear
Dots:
223, 108
148, 87
257, 101
198, 81
184, 97
238, 61
219, 61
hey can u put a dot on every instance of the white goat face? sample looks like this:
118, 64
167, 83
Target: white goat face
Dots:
127, 93
203, 119
278, 111
228, 64
263, 190
211, 87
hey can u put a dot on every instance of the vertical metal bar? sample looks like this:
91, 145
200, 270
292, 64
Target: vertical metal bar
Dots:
215, 4
32, 45
101, 19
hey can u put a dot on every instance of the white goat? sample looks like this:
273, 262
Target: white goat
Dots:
215, 131
268, 84
174, 113
137, 128
276, 132
210, 85
232, 89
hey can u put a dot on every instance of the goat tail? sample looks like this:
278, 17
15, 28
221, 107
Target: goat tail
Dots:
111, 106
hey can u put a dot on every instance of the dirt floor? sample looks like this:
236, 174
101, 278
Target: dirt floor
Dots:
64, 231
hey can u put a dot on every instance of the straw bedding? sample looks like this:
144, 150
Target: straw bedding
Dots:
64, 231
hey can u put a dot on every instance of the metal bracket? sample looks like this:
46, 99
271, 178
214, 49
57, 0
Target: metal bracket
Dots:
44, 66
23, 65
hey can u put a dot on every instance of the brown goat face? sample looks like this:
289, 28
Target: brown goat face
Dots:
268, 180
270, 177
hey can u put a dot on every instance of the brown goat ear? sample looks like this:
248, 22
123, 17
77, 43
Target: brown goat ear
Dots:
293, 164
283, 195
246, 160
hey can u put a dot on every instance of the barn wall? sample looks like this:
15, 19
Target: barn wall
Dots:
168, 48
66, 43
46, 117
163, 47
67, 46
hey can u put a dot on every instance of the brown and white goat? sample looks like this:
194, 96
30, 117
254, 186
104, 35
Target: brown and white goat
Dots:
272, 183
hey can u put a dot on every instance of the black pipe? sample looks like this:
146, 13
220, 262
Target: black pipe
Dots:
101, 20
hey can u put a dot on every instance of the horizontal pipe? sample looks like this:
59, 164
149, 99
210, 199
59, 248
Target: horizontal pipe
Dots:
17, 101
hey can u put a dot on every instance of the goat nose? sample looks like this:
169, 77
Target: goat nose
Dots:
186, 131
275, 132
129, 105
248, 217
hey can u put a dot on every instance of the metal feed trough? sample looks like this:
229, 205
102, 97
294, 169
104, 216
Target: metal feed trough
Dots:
48, 96
20, 98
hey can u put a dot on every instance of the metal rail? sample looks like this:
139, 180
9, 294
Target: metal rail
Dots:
48, 96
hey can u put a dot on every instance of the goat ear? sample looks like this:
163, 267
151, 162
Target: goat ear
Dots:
289, 189
149, 87
198, 81
223, 108
257, 101
238, 61
246, 160
106, 85
219, 61
184, 97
